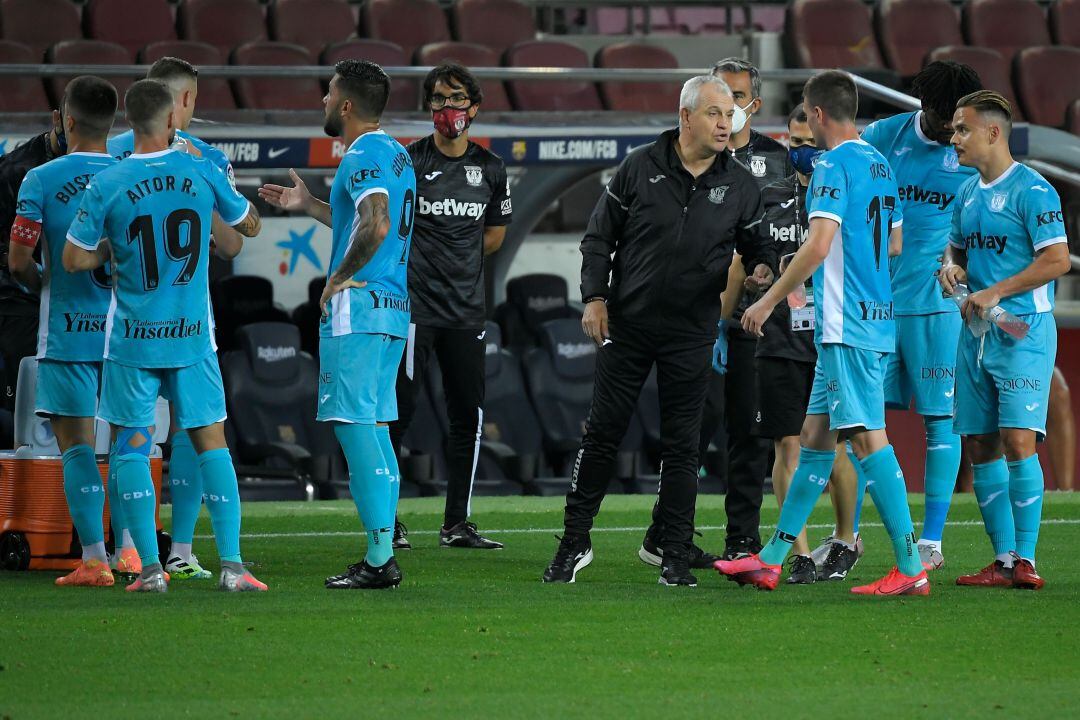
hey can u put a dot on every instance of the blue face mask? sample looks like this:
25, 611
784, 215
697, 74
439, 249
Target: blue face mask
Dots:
804, 158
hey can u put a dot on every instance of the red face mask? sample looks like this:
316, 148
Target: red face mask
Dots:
451, 122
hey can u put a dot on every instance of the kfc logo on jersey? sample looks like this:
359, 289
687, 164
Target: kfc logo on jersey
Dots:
474, 175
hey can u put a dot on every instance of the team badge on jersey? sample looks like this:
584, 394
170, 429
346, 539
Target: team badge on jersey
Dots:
950, 162
757, 165
716, 195
474, 175
998, 201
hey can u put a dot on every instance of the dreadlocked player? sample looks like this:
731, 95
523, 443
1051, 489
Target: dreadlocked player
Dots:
928, 175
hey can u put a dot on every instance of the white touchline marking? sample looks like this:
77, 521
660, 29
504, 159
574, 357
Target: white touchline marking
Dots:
528, 531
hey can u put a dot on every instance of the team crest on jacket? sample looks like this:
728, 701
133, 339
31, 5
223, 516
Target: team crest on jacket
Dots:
716, 195
950, 162
757, 165
474, 175
998, 201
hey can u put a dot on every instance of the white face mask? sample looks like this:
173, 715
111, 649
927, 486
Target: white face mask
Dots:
738, 120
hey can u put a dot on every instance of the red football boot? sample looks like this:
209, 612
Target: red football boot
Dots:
1024, 576
993, 575
750, 570
896, 583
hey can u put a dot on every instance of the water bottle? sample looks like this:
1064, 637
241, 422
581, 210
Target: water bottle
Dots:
979, 325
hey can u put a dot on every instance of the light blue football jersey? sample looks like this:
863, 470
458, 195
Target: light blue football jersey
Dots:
928, 176
374, 163
122, 145
853, 185
156, 210
71, 323
1002, 225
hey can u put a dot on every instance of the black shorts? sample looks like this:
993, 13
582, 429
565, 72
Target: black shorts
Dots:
783, 394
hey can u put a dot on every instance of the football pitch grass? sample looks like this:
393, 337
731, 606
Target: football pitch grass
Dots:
475, 634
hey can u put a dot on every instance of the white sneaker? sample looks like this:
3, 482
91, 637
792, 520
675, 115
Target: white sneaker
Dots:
190, 569
931, 557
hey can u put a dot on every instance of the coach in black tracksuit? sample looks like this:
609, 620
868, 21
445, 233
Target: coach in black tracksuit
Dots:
664, 233
462, 210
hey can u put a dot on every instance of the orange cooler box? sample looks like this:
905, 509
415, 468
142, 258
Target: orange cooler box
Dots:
36, 532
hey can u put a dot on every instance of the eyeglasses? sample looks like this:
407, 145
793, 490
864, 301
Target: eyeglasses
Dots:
457, 100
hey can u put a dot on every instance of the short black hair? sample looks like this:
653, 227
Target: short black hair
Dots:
145, 102
366, 84
833, 91
171, 68
797, 114
453, 73
91, 102
942, 83
988, 102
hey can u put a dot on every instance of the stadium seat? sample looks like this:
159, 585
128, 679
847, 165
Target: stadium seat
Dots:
531, 301
271, 390
39, 24
1007, 26
614, 20
272, 93
311, 23
87, 52
425, 441
214, 93
131, 23
638, 97
1048, 81
559, 375
20, 93
240, 300
909, 29
495, 23
991, 67
306, 317
1065, 22
832, 33
701, 19
427, 23
404, 92
469, 55
554, 95
225, 24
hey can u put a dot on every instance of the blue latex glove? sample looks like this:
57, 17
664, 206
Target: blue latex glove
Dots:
720, 348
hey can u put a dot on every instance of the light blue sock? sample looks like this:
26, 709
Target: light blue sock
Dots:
990, 481
860, 487
370, 487
222, 501
136, 487
185, 488
810, 478
885, 481
116, 508
1026, 495
942, 464
391, 462
85, 494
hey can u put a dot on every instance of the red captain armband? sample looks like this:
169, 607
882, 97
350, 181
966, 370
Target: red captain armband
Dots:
25, 231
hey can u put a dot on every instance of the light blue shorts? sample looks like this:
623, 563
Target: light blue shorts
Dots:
1005, 383
67, 389
129, 394
849, 387
924, 364
358, 378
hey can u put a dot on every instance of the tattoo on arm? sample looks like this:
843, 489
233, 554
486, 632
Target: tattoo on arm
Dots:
368, 236
250, 225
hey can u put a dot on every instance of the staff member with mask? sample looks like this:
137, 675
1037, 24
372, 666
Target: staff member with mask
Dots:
462, 210
655, 259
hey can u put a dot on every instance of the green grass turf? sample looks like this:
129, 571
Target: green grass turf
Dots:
475, 634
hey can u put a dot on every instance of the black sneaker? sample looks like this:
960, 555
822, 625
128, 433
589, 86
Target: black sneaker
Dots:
651, 553
701, 560
839, 562
676, 571
740, 546
362, 576
574, 553
464, 535
801, 570
401, 536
